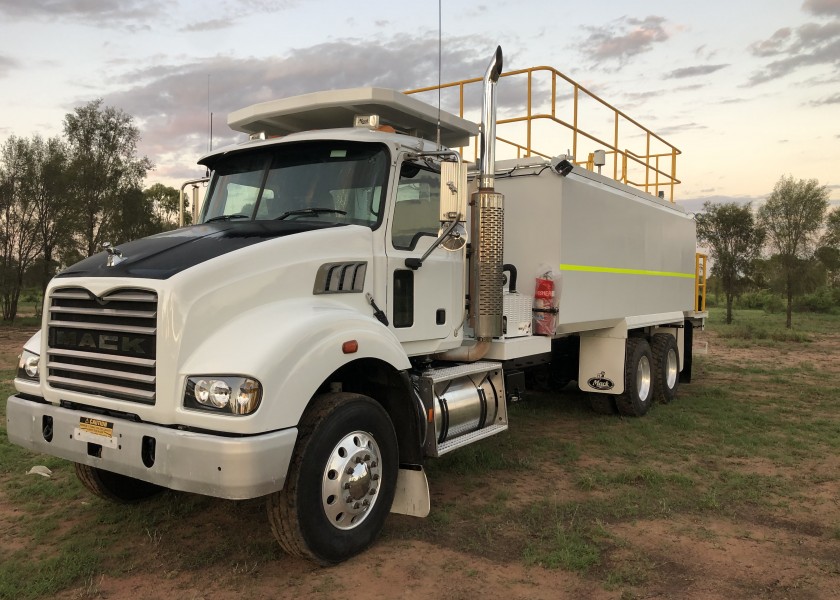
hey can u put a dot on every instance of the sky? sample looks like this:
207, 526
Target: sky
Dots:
748, 90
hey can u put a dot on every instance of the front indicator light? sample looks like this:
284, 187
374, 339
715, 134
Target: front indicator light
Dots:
224, 394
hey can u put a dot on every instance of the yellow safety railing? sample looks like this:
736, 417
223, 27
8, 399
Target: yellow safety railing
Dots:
639, 157
700, 282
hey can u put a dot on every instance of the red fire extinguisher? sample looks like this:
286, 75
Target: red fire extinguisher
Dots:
545, 309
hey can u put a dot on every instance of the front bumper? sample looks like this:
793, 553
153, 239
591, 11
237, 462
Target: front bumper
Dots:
225, 467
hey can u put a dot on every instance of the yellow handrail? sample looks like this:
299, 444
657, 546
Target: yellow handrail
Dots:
700, 281
654, 157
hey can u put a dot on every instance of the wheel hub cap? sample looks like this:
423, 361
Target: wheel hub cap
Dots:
352, 479
671, 373
643, 378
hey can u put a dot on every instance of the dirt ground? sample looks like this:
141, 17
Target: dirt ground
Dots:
687, 557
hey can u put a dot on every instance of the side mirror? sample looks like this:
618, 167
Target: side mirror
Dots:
453, 191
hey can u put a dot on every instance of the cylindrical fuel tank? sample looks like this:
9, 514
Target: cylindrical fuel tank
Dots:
464, 405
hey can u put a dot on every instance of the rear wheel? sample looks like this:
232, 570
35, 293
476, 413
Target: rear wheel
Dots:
341, 480
115, 487
666, 367
638, 379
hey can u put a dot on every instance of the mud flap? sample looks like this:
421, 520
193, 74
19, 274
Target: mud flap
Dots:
688, 352
412, 495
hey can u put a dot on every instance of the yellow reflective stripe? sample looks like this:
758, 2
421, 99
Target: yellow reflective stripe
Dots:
591, 269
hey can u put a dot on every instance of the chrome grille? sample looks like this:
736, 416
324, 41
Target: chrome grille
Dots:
104, 346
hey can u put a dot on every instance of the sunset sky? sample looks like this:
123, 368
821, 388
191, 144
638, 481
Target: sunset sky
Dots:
747, 90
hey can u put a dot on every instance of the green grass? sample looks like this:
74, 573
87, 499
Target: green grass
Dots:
696, 458
743, 445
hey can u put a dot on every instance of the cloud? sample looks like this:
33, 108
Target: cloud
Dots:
835, 99
680, 128
694, 71
822, 7
792, 49
695, 204
7, 64
211, 25
703, 52
229, 13
86, 11
625, 37
169, 102
773, 45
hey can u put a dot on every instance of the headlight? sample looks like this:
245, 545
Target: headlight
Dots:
28, 365
229, 394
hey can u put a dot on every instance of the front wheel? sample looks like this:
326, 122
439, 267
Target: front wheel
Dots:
115, 487
341, 480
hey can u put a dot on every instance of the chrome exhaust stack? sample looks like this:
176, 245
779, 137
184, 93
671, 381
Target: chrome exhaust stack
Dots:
487, 136
487, 227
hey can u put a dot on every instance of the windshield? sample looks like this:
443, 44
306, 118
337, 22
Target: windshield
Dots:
325, 181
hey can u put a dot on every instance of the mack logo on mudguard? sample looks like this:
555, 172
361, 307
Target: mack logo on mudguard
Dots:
601, 383
95, 341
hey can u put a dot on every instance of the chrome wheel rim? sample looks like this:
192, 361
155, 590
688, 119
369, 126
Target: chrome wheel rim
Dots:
671, 369
352, 480
643, 378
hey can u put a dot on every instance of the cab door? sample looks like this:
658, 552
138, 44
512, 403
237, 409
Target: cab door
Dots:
427, 303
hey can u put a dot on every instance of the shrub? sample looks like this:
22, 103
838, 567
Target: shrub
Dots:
824, 300
762, 300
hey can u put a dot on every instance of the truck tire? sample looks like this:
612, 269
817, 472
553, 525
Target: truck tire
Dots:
666, 367
638, 379
115, 487
341, 480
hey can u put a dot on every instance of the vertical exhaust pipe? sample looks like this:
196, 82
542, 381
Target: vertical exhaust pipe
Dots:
487, 234
487, 222
488, 122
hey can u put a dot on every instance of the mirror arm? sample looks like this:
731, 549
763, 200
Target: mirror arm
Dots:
416, 263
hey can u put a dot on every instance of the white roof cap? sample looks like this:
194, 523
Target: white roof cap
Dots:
337, 108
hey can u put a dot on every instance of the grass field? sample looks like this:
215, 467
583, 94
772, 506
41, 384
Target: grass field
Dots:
742, 467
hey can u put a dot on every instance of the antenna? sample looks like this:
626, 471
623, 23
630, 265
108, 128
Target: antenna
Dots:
440, 62
209, 118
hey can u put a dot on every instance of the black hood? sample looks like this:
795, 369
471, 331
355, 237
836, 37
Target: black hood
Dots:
163, 255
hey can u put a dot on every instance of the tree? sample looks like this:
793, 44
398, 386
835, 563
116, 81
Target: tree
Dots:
19, 243
734, 241
831, 237
793, 215
829, 251
134, 217
166, 205
104, 166
53, 204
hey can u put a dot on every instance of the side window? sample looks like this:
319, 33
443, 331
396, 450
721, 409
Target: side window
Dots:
417, 206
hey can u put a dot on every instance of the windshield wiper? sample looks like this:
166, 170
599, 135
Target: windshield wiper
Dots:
310, 211
228, 217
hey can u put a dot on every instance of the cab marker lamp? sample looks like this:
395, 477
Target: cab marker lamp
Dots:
28, 364
229, 394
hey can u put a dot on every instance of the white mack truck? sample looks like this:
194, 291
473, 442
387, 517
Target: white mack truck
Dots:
341, 312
